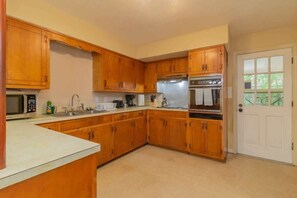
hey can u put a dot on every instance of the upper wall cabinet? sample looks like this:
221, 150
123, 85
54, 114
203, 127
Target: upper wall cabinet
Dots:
113, 72
27, 56
150, 78
172, 66
206, 61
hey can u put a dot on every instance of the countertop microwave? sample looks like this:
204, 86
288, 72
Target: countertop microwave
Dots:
20, 104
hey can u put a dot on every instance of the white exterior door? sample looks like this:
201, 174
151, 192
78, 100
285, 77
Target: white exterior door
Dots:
264, 105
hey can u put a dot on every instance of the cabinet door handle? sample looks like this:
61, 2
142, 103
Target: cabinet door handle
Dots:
202, 126
105, 83
93, 135
206, 126
89, 136
206, 67
203, 68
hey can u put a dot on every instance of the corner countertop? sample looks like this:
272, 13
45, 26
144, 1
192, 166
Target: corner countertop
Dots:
32, 150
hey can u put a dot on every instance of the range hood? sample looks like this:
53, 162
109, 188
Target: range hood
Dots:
171, 78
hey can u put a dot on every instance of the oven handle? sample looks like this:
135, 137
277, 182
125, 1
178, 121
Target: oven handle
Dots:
193, 88
25, 103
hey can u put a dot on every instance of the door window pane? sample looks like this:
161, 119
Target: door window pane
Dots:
249, 81
277, 63
249, 66
277, 99
262, 98
262, 81
262, 65
249, 99
277, 81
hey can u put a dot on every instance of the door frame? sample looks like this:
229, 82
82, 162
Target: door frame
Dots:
234, 56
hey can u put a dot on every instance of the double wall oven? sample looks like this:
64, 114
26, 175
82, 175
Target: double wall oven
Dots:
205, 97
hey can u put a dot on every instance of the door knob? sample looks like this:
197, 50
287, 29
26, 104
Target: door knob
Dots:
240, 109
240, 105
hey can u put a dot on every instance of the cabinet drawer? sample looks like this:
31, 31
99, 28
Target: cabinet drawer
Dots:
136, 114
100, 120
75, 124
121, 116
52, 126
175, 114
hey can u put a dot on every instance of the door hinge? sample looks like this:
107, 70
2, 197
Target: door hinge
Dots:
292, 103
292, 60
292, 146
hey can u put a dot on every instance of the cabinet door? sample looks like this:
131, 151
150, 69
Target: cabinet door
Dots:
196, 62
26, 57
103, 134
150, 78
212, 60
180, 65
139, 132
157, 130
139, 77
213, 138
128, 73
197, 136
123, 137
80, 133
164, 67
113, 73
176, 133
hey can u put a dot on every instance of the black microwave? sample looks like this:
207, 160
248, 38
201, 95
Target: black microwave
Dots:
20, 105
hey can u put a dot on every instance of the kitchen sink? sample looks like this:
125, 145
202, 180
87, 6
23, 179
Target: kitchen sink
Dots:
77, 113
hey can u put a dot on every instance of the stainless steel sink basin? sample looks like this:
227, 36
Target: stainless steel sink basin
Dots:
77, 113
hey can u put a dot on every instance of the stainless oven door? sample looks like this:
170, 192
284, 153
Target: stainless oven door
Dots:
205, 99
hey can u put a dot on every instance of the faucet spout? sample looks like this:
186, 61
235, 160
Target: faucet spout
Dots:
74, 95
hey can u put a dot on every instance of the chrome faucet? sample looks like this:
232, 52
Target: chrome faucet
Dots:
73, 99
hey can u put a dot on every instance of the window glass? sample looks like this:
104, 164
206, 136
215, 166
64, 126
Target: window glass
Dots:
249, 66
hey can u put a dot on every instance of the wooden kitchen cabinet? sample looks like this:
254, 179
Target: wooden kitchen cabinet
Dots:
139, 75
139, 132
75, 179
150, 78
114, 72
168, 128
123, 137
176, 132
206, 61
156, 130
206, 138
27, 56
176, 66
104, 135
180, 65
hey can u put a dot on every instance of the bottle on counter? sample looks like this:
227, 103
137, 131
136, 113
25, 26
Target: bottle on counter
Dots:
48, 107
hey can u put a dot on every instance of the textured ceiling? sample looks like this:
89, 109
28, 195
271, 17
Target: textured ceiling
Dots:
144, 21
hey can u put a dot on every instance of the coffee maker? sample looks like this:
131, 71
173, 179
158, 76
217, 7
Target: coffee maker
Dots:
130, 100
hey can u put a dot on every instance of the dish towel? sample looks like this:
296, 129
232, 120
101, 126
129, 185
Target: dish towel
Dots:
199, 96
207, 95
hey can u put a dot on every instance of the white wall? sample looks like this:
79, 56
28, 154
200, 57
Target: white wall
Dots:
71, 72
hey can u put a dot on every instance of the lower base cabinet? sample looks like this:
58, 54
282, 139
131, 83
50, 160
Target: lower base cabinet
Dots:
76, 179
117, 135
139, 132
167, 130
206, 138
123, 137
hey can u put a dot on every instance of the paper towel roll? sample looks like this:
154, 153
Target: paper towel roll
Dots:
140, 100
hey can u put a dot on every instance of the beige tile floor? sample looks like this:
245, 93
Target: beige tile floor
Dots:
156, 172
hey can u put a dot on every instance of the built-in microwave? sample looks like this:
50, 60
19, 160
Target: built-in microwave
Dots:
20, 105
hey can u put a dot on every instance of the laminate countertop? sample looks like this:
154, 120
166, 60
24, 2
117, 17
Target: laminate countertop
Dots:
32, 150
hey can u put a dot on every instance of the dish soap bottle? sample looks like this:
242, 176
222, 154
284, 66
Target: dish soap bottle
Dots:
48, 107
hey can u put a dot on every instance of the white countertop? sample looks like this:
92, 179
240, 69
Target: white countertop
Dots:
32, 150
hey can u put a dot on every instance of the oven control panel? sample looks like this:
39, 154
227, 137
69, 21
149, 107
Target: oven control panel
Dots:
206, 82
31, 103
